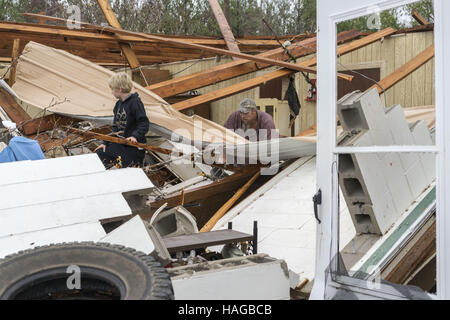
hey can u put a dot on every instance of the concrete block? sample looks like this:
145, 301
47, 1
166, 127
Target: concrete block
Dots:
373, 109
401, 134
378, 188
372, 176
364, 219
422, 137
416, 179
386, 213
351, 117
397, 183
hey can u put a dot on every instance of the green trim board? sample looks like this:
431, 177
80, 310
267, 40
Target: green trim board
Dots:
387, 245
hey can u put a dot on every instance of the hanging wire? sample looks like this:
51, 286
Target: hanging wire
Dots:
368, 78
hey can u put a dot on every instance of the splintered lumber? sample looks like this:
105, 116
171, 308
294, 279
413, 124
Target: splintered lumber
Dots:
405, 70
14, 57
221, 186
420, 249
237, 68
252, 83
45, 123
12, 108
112, 20
224, 209
204, 48
419, 18
96, 33
124, 141
310, 131
231, 90
224, 27
47, 143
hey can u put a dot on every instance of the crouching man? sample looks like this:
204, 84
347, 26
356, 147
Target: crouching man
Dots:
130, 121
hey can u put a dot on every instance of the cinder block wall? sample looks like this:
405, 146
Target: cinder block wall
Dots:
378, 188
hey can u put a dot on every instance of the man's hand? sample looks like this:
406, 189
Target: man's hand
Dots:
102, 146
132, 139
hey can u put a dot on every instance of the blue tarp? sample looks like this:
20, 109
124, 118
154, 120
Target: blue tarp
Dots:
20, 149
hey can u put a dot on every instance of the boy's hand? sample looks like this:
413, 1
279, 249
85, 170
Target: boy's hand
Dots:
102, 146
132, 139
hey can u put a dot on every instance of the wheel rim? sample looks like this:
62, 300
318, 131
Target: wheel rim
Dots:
56, 284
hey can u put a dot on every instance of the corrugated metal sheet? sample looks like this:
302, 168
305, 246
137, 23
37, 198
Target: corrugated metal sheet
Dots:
62, 199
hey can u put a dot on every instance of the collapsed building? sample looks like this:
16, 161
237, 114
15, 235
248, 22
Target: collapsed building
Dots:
210, 223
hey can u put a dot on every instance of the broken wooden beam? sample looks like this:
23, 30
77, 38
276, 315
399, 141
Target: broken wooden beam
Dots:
45, 123
214, 50
252, 83
237, 68
229, 183
124, 141
14, 57
231, 90
224, 209
224, 27
419, 18
12, 108
405, 70
112, 20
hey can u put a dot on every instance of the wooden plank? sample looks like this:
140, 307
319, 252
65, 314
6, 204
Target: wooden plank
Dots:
429, 73
219, 51
89, 33
406, 69
124, 141
408, 80
225, 71
412, 259
231, 90
45, 123
12, 108
47, 143
112, 20
399, 90
419, 18
418, 76
252, 83
224, 209
224, 26
205, 239
221, 186
14, 58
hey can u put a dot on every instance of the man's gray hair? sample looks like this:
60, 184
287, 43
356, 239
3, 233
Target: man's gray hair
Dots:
246, 105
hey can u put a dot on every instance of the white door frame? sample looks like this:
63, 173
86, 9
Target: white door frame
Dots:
329, 13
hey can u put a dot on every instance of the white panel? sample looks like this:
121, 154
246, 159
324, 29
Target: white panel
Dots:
132, 234
82, 186
27, 171
266, 281
78, 232
58, 214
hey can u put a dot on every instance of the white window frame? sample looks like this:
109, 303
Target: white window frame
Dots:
329, 13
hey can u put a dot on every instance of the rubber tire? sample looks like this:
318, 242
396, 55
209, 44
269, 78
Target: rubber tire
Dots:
140, 275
